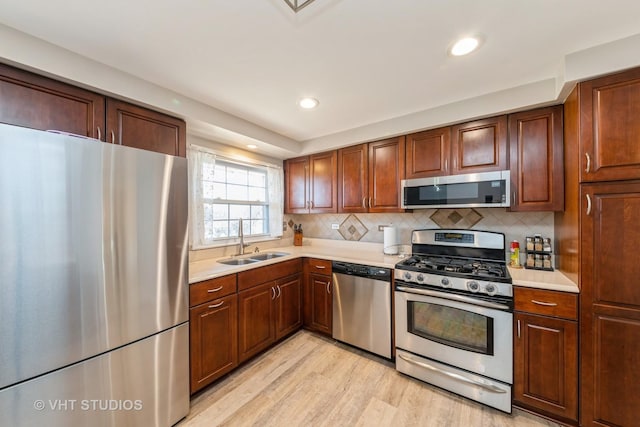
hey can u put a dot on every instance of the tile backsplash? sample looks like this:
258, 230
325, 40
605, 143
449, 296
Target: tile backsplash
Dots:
364, 227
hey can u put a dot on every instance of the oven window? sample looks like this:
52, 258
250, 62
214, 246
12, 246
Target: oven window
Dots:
451, 326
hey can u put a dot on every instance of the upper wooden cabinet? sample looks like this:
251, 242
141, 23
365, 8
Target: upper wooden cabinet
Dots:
36, 102
311, 183
369, 176
141, 128
536, 160
609, 127
479, 146
428, 153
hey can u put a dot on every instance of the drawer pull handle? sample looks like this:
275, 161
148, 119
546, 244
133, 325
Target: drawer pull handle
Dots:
99, 133
210, 291
113, 137
216, 305
518, 328
547, 304
328, 289
320, 267
588, 205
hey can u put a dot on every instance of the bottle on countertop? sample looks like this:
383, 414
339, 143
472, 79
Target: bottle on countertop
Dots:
515, 254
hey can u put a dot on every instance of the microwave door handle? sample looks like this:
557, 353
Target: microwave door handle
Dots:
458, 377
454, 297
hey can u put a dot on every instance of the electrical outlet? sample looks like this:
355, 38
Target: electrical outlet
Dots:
335, 226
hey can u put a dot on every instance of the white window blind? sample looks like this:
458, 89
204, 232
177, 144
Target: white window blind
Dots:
224, 191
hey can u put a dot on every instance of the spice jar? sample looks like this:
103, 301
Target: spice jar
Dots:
538, 261
530, 261
537, 242
546, 244
546, 262
530, 243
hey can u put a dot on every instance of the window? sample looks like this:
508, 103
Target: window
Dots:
225, 190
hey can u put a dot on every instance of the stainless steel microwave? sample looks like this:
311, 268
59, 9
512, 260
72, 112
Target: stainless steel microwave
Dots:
475, 190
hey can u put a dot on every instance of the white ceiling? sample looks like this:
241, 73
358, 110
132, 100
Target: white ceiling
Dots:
367, 61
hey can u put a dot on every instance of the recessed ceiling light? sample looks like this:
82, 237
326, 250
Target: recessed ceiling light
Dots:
252, 146
308, 103
464, 46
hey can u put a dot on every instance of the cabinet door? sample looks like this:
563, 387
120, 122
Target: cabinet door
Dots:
610, 304
256, 329
288, 305
37, 102
353, 179
213, 331
536, 160
296, 188
386, 171
323, 182
479, 146
609, 127
428, 153
138, 127
321, 303
546, 365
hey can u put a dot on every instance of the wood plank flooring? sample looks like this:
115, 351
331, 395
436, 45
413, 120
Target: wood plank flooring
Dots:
309, 380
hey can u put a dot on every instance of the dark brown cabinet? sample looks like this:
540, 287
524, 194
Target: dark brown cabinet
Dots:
213, 330
536, 160
479, 146
270, 305
428, 153
369, 176
610, 303
318, 296
546, 353
311, 183
609, 127
139, 127
37, 102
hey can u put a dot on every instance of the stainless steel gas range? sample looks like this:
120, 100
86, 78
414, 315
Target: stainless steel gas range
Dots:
454, 314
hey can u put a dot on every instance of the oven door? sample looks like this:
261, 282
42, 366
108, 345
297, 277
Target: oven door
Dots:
471, 334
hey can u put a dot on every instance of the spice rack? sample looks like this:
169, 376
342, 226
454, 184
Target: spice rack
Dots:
538, 253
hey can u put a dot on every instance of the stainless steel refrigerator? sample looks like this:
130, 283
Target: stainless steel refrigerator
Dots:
93, 283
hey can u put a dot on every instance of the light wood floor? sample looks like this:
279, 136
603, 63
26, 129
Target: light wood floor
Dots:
309, 380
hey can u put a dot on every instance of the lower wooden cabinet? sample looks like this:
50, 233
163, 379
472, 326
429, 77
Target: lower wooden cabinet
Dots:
268, 312
318, 296
546, 353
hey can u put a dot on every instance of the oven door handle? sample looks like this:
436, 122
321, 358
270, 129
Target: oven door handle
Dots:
458, 377
454, 297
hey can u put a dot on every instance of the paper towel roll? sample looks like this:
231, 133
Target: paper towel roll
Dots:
390, 245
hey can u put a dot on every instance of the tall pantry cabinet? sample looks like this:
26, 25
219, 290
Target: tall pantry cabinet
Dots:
602, 132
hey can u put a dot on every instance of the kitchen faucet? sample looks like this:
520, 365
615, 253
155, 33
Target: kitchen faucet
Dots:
241, 243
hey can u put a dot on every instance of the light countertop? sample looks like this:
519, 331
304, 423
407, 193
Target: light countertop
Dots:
363, 253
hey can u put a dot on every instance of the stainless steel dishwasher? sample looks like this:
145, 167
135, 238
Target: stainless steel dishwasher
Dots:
362, 306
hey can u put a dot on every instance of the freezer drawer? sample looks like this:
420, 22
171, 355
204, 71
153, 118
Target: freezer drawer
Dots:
142, 384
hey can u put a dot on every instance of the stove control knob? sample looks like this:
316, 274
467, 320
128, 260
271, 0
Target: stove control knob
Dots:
445, 282
407, 276
491, 289
420, 277
473, 286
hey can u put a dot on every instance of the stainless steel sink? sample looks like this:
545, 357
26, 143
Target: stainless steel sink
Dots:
238, 261
268, 255
253, 258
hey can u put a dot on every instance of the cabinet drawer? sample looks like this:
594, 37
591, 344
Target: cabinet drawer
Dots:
319, 266
548, 303
209, 290
257, 276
